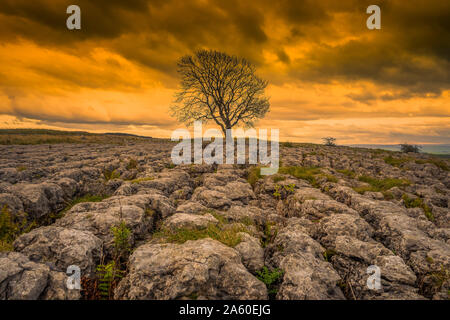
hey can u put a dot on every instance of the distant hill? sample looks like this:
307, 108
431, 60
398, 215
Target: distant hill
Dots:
436, 149
47, 136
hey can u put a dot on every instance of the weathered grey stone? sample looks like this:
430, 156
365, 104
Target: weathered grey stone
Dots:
172, 271
22, 279
62, 247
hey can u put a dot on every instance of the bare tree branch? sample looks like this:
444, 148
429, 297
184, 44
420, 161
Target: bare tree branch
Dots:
216, 86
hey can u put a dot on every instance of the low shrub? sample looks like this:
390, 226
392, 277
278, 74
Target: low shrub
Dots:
271, 278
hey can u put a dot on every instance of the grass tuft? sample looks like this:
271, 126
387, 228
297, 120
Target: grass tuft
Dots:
418, 203
228, 236
380, 185
254, 175
305, 173
271, 278
437, 162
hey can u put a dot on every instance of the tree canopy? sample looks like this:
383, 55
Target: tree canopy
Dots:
219, 87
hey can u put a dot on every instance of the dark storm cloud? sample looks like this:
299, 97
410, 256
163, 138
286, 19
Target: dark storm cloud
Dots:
411, 51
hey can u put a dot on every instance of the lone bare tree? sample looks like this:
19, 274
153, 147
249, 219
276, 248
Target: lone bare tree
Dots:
219, 87
329, 141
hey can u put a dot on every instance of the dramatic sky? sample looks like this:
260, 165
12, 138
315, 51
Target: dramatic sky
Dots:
328, 74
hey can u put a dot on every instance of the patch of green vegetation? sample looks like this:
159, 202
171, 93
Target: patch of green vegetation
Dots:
437, 162
278, 178
289, 187
109, 174
305, 173
254, 175
270, 232
170, 165
150, 212
277, 192
330, 178
440, 277
418, 203
139, 180
132, 164
121, 240
193, 296
380, 185
396, 162
282, 191
219, 217
387, 195
11, 227
45, 136
228, 236
287, 144
342, 285
21, 168
328, 254
49, 218
247, 221
271, 278
108, 276
347, 172
86, 198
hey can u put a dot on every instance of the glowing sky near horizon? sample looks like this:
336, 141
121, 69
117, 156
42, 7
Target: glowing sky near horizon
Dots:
328, 74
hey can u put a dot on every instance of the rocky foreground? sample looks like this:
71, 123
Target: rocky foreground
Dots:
139, 227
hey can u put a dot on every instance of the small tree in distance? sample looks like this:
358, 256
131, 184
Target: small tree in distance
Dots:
410, 148
219, 87
329, 141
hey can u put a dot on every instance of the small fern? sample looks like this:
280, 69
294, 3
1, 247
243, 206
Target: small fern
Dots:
108, 276
121, 240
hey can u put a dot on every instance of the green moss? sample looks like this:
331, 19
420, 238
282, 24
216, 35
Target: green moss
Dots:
440, 277
330, 178
396, 162
418, 203
219, 217
305, 173
132, 164
139, 180
86, 198
11, 227
347, 172
380, 185
193, 296
6, 246
270, 232
278, 178
328, 254
247, 221
110, 174
254, 175
437, 162
271, 278
287, 144
228, 236
21, 168
387, 195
